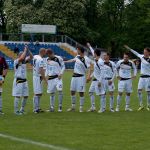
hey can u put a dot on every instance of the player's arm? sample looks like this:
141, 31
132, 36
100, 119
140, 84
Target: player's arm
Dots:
62, 68
90, 73
70, 61
42, 71
91, 49
134, 70
117, 69
30, 57
114, 72
23, 55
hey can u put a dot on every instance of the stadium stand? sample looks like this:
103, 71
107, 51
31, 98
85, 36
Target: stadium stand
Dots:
35, 49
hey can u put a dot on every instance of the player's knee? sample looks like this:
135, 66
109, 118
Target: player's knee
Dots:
120, 93
52, 94
25, 97
128, 94
73, 93
60, 92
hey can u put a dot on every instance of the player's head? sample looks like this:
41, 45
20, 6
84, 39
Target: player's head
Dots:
97, 52
147, 52
80, 50
126, 56
106, 56
50, 52
42, 52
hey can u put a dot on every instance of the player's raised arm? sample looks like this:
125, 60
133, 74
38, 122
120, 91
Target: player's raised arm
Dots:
133, 51
70, 61
91, 49
23, 55
30, 57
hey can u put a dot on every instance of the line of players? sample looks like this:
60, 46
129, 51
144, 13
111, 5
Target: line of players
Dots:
103, 73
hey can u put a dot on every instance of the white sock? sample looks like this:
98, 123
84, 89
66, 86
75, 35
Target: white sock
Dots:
16, 103
92, 100
148, 99
103, 102
73, 100
0, 101
127, 101
111, 102
81, 102
35, 103
24, 101
52, 100
39, 97
118, 100
60, 98
140, 98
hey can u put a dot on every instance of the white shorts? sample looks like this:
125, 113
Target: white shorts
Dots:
78, 84
94, 88
125, 85
37, 85
54, 84
144, 83
108, 87
20, 89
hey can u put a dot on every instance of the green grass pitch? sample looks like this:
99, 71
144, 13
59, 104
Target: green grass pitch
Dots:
74, 130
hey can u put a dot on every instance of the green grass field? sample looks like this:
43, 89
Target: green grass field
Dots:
74, 130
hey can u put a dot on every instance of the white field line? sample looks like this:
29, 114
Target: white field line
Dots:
12, 138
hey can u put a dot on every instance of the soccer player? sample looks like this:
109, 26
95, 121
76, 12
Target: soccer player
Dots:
144, 81
54, 70
97, 85
3, 73
78, 82
124, 74
20, 84
38, 77
109, 71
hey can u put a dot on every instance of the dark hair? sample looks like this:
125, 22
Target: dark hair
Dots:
147, 48
126, 53
81, 48
108, 54
97, 51
49, 51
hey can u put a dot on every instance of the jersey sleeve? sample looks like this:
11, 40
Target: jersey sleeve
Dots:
41, 63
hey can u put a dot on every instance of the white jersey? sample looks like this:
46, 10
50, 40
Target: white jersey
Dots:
54, 66
145, 63
20, 69
124, 69
38, 63
81, 64
98, 69
109, 70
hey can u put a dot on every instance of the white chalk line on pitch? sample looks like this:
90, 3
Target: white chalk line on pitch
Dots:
12, 138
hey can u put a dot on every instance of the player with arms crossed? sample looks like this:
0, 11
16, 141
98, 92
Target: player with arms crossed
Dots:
20, 84
3, 73
78, 82
54, 70
124, 74
38, 77
109, 71
144, 81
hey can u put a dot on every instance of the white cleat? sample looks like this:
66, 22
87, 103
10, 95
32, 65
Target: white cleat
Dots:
128, 109
91, 110
81, 110
101, 111
59, 110
71, 109
112, 110
117, 109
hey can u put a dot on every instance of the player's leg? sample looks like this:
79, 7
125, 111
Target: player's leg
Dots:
51, 89
128, 89
25, 97
60, 94
121, 86
38, 90
82, 99
73, 88
1, 83
111, 89
92, 97
140, 96
147, 88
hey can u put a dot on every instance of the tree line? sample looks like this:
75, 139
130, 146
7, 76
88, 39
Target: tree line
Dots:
104, 23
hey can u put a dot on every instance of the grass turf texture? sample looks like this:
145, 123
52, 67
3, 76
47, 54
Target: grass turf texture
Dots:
74, 130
